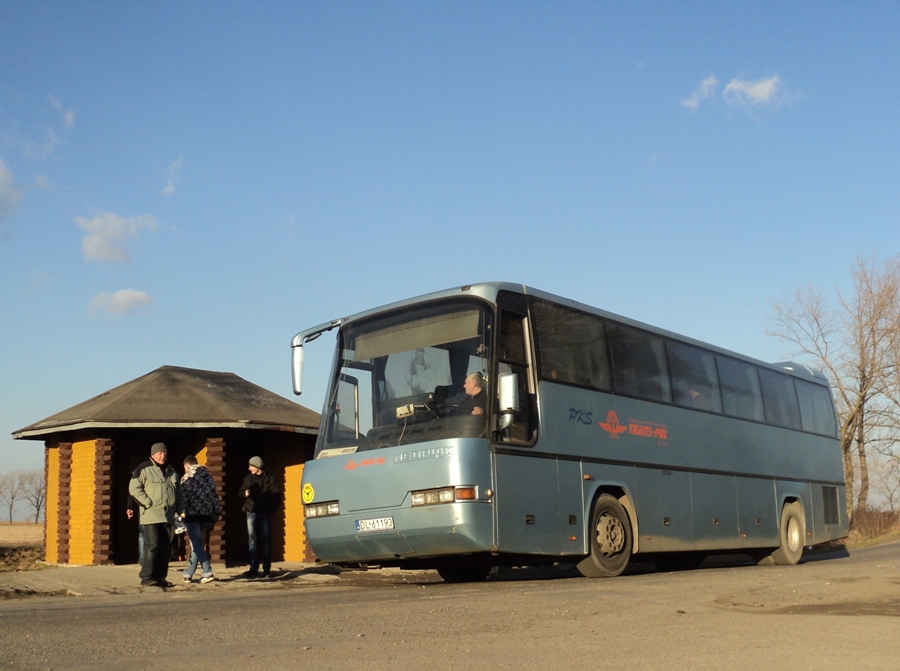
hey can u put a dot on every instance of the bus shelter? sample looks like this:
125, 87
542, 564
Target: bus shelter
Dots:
91, 449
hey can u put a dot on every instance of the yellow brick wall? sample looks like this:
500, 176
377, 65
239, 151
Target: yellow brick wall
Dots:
294, 531
51, 516
81, 504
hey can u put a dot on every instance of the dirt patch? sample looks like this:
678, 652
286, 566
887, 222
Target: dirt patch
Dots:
886, 607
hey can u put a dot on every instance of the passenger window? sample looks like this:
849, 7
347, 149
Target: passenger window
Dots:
816, 408
639, 363
779, 399
741, 396
694, 383
572, 346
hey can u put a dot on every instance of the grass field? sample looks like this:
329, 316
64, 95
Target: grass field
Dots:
20, 534
21, 546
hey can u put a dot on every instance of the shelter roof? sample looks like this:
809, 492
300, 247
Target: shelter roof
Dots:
174, 397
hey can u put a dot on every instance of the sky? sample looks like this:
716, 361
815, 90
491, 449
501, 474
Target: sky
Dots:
191, 184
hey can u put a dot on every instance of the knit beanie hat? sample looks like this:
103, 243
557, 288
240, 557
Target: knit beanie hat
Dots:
256, 462
159, 447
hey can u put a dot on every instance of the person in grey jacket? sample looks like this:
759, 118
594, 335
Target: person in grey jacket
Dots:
154, 485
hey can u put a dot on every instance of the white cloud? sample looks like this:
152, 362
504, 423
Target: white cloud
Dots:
107, 234
68, 115
9, 194
173, 176
123, 302
707, 89
747, 93
42, 183
42, 150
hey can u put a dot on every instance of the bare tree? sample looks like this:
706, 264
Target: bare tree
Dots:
34, 490
854, 337
10, 490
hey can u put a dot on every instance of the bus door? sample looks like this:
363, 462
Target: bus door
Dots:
526, 483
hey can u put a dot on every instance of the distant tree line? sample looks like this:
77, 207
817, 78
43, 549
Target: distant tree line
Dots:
853, 335
27, 487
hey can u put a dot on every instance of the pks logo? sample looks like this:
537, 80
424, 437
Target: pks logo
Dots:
611, 425
352, 465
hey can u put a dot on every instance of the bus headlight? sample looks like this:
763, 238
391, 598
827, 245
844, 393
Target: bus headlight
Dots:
431, 497
326, 509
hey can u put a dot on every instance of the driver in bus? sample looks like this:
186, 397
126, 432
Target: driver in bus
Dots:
471, 401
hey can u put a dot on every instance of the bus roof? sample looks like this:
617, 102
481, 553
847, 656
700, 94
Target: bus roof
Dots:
489, 290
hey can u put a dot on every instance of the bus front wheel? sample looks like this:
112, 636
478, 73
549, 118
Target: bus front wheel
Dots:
610, 539
792, 535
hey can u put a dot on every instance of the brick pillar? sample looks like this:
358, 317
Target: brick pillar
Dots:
103, 501
64, 502
51, 509
215, 463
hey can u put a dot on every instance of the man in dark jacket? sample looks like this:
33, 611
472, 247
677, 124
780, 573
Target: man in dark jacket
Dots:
472, 400
262, 496
154, 485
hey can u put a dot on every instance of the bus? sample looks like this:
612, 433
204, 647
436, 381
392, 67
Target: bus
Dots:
496, 425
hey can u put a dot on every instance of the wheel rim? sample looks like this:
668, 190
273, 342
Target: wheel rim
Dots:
793, 534
610, 535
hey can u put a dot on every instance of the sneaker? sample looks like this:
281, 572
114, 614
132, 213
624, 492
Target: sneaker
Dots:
187, 580
164, 583
249, 575
207, 578
265, 575
149, 582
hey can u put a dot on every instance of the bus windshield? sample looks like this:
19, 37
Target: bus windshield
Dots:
407, 377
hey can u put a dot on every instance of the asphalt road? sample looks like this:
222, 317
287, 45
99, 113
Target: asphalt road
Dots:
830, 612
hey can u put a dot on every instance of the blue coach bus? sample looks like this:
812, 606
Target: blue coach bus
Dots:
498, 425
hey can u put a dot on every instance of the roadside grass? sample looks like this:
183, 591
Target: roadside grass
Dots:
27, 558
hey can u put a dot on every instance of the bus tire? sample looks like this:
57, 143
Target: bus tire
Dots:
610, 539
461, 573
792, 536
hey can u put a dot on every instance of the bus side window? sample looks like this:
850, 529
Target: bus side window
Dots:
741, 396
779, 399
571, 346
816, 408
639, 363
513, 357
694, 382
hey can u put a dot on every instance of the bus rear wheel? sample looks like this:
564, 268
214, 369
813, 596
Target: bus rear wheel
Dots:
792, 535
610, 539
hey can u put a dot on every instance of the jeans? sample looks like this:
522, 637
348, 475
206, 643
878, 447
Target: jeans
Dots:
259, 537
142, 544
198, 553
155, 562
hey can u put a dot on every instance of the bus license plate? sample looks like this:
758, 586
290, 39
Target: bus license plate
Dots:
378, 524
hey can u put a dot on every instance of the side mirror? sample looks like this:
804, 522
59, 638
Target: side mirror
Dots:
509, 399
297, 368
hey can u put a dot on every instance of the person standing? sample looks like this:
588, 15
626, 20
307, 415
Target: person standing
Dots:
201, 508
262, 497
154, 485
